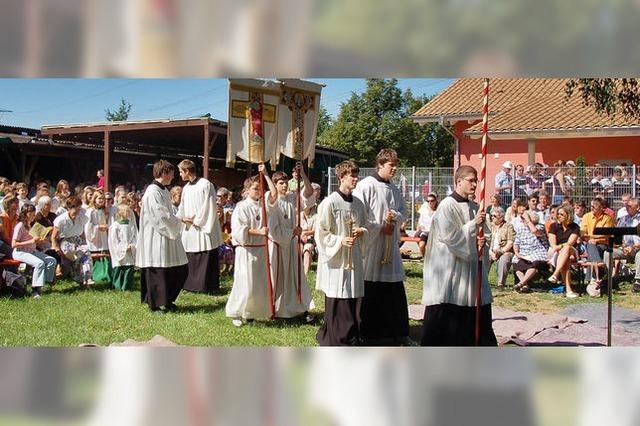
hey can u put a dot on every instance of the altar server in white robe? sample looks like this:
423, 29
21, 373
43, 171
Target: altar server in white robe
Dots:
201, 236
341, 238
249, 297
123, 236
159, 252
385, 314
451, 270
286, 237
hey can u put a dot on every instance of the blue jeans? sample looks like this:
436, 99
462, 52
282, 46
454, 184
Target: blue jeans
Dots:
44, 267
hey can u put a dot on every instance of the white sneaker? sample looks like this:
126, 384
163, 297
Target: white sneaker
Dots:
572, 295
237, 322
90, 282
553, 279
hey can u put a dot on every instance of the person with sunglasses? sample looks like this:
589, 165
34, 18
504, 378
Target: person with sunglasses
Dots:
426, 212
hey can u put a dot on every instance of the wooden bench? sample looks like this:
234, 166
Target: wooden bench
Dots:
9, 263
410, 239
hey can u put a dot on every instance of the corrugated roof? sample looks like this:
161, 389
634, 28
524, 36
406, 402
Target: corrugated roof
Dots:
520, 104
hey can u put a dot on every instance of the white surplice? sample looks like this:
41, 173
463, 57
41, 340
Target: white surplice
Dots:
249, 297
121, 237
281, 232
380, 198
199, 202
332, 225
97, 240
159, 244
451, 257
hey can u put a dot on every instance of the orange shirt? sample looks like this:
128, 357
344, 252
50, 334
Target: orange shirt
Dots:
590, 222
7, 228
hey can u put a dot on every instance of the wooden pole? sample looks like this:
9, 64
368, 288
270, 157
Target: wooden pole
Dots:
483, 174
272, 304
298, 247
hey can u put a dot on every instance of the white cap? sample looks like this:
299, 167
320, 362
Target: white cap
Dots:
507, 164
571, 163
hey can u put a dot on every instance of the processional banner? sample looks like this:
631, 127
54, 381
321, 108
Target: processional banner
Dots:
253, 114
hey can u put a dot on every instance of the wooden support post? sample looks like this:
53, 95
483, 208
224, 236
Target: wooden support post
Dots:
205, 159
106, 160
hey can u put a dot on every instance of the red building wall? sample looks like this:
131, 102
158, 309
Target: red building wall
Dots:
593, 149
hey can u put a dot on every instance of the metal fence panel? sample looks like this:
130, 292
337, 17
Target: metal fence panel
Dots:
581, 184
415, 183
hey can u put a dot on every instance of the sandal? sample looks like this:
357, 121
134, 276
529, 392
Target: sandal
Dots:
524, 289
553, 279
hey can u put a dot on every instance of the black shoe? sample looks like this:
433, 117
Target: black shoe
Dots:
405, 341
171, 307
636, 287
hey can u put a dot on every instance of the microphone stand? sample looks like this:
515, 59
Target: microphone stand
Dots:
615, 236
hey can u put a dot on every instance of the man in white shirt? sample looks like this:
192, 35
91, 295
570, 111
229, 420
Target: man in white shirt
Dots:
201, 236
385, 315
159, 252
630, 249
451, 270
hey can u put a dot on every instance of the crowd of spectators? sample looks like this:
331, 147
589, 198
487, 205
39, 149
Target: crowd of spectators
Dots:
77, 220
549, 232
563, 180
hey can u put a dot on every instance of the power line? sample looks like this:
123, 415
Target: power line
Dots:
83, 98
183, 100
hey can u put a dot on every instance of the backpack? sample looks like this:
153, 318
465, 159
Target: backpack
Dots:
15, 285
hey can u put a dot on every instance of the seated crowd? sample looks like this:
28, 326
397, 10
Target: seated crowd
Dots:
88, 235
535, 235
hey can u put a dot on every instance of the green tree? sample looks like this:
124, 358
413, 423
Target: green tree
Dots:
380, 118
324, 121
608, 95
121, 114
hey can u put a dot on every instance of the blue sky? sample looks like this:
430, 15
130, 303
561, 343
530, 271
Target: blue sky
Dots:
37, 102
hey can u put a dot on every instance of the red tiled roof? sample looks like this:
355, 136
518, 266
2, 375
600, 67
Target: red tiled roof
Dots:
519, 105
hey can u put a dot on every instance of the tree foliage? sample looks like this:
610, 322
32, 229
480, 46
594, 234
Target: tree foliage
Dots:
121, 114
608, 95
324, 121
380, 118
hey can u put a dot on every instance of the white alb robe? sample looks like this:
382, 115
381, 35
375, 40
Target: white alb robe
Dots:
199, 202
287, 305
249, 297
121, 237
97, 240
159, 244
451, 257
332, 225
380, 198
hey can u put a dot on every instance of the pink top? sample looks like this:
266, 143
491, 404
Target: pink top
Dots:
21, 234
100, 184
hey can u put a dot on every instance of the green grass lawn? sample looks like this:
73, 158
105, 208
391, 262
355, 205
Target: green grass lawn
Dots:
69, 316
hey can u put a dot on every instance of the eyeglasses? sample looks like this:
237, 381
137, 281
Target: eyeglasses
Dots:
471, 180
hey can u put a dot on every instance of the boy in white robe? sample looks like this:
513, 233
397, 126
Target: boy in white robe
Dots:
290, 251
249, 297
201, 235
123, 235
159, 251
451, 270
97, 233
385, 313
339, 231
